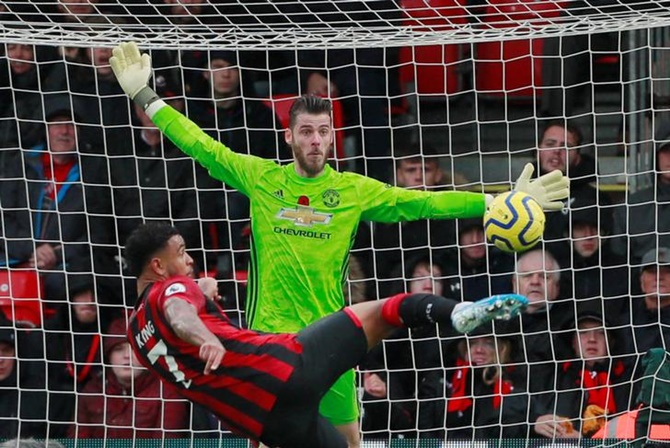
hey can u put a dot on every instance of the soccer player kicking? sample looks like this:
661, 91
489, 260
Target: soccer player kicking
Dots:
304, 216
266, 387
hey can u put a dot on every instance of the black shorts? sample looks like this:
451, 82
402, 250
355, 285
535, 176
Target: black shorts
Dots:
331, 346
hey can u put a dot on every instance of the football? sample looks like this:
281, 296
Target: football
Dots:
514, 222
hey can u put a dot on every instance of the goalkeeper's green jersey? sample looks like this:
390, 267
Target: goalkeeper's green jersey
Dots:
303, 228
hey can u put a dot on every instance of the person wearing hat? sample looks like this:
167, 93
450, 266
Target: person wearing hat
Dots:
485, 399
643, 222
475, 268
46, 218
127, 401
592, 382
645, 326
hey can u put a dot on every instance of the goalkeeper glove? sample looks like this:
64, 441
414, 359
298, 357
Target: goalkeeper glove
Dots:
548, 190
133, 71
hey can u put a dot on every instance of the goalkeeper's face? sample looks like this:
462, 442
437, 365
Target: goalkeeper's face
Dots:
310, 139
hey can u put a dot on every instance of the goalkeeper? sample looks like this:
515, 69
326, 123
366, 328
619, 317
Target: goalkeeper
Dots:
304, 215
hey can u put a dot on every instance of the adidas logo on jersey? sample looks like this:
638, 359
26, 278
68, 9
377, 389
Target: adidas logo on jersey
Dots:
279, 194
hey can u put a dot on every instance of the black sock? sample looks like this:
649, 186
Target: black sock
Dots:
418, 310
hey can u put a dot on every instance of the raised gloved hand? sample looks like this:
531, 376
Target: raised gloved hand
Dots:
133, 71
548, 190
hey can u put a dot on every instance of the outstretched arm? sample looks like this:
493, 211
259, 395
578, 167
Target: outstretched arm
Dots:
133, 71
184, 320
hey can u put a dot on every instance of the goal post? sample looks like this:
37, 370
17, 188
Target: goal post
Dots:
475, 83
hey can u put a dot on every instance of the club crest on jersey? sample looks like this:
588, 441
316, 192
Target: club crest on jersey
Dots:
174, 289
331, 198
304, 216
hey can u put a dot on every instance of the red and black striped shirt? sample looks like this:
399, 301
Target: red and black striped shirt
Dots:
244, 389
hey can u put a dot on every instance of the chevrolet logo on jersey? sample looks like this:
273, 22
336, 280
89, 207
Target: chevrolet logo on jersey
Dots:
304, 216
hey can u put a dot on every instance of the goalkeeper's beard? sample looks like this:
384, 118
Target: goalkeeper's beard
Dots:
310, 165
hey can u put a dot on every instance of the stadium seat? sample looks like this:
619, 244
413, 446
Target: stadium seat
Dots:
432, 69
513, 68
21, 292
281, 105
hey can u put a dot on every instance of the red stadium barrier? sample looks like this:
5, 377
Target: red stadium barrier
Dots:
514, 67
433, 69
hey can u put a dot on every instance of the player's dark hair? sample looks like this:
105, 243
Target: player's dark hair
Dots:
144, 242
309, 104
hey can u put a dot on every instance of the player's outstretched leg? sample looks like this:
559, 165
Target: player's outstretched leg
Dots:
469, 315
379, 318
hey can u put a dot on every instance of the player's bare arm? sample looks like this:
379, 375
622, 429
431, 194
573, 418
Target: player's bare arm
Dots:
184, 320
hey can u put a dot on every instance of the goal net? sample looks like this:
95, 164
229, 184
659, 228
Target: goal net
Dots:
442, 95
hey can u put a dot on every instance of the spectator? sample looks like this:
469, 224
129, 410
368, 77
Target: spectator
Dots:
480, 397
22, 72
644, 223
416, 168
645, 325
475, 270
230, 113
600, 278
155, 181
388, 410
127, 402
101, 105
592, 384
26, 408
561, 147
408, 355
56, 206
537, 277
73, 334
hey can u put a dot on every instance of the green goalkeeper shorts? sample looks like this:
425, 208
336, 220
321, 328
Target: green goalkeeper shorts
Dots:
340, 404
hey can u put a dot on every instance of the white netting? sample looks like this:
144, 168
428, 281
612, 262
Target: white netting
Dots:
471, 86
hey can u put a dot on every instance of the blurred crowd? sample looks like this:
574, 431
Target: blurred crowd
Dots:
81, 167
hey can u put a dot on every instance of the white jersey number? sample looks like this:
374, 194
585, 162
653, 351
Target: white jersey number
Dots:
160, 351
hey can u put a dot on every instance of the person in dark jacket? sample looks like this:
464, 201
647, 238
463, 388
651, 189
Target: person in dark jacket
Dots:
561, 146
101, 104
57, 206
643, 222
155, 181
593, 382
23, 70
599, 278
537, 276
232, 114
476, 270
74, 347
27, 409
480, 396
127, 402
